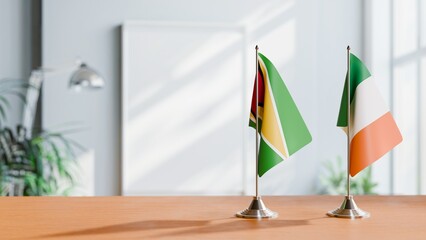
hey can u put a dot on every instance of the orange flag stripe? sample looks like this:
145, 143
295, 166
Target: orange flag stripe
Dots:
373, 141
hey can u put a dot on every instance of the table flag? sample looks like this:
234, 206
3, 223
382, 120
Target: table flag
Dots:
373, 130
281, 126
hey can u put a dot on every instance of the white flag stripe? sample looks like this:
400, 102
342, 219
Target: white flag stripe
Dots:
367, 106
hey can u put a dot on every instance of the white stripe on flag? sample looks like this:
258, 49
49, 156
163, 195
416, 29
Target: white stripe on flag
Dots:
367, 106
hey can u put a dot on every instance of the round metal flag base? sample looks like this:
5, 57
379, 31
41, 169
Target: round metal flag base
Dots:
349, 209
257, 209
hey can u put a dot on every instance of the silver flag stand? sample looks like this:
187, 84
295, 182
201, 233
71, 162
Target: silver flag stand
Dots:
257, 208
348, 209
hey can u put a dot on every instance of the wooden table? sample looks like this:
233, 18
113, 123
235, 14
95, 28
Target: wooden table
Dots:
301, 217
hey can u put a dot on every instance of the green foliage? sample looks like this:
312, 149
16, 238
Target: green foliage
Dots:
33, 166
334, 180
42, 164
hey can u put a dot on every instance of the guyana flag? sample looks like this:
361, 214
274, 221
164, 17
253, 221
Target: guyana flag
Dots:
281, 127
373, 131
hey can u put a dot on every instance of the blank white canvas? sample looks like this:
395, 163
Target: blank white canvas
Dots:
183, 109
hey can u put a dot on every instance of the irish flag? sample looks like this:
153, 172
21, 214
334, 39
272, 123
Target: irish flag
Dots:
281, 127
373, 131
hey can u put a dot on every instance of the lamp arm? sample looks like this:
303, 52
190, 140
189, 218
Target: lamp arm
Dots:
33, 93
59, 69
31, 100
84, 76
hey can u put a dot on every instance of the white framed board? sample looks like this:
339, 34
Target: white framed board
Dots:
183, 109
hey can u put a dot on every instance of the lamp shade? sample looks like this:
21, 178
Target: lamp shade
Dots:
86, 77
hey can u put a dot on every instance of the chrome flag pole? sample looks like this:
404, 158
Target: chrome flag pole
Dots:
257, 120
257, 208
348, 209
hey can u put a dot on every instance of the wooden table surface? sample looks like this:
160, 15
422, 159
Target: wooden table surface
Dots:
300, 217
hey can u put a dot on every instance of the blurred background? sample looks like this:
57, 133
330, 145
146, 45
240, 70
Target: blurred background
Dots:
171, 117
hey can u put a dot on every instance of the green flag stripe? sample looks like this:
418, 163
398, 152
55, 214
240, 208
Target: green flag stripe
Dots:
295, 131
268, 158
359, 73
253, 124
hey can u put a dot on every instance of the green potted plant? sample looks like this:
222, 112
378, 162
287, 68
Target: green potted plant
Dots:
33, 166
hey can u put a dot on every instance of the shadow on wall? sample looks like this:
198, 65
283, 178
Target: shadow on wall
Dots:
188, 101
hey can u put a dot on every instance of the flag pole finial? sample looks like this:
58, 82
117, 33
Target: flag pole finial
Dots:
257, 47
348, 48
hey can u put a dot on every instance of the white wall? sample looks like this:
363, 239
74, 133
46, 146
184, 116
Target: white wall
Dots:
15, 47
306, 40
378, 58
394, 46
